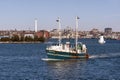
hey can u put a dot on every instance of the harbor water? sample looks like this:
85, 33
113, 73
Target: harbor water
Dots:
24, 62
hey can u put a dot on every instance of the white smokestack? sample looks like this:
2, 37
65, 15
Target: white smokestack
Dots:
36, 25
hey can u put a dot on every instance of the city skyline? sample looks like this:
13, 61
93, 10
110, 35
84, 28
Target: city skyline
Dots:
21, 14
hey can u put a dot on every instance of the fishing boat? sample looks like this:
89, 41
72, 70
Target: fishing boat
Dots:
67, 50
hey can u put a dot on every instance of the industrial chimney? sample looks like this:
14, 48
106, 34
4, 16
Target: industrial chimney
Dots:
36, 25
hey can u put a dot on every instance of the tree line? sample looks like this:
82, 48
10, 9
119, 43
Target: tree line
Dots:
16, 38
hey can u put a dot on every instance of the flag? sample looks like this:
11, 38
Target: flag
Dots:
78, 17
57, 20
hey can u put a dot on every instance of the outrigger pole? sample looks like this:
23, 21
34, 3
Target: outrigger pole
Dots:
76, 33
59, 28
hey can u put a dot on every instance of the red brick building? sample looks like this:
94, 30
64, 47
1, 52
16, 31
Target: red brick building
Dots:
43, 33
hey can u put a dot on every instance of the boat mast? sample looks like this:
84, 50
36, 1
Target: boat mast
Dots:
76, 33
59, 28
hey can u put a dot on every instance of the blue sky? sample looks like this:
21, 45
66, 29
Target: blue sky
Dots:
20, 14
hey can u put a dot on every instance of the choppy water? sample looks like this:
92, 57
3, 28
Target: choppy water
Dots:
23, 62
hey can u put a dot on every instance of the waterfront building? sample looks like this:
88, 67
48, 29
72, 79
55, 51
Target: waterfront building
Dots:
108, 30
95, 33
42, 33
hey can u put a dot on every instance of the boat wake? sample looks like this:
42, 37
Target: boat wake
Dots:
110, 55
49, 59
